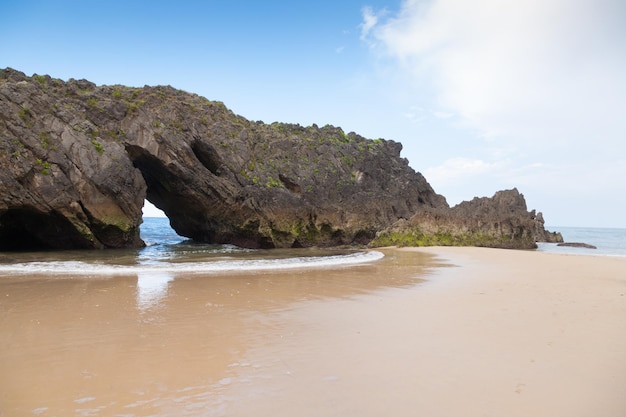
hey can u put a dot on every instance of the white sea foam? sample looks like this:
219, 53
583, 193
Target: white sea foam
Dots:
208, 267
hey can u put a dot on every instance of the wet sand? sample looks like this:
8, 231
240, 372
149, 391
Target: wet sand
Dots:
432, 332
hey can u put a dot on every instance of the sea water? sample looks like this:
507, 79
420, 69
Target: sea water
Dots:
168, 253
608, 241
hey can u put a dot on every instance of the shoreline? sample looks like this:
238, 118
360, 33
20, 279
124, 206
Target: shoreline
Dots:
437, 331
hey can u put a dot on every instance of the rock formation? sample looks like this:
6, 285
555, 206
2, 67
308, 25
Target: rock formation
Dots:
78, 160
501, 221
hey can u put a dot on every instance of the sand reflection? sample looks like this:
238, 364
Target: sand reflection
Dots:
152, 288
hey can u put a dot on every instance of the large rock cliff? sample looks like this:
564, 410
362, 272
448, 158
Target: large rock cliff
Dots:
77, 161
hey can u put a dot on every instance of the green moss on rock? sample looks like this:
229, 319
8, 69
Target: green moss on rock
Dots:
414, 237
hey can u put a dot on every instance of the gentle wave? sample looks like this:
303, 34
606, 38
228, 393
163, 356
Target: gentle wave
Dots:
86, 268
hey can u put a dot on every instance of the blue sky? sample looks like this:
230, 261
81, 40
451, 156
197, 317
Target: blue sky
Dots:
483, 95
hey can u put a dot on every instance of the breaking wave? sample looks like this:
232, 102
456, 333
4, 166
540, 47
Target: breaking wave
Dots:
168, 253
71, 267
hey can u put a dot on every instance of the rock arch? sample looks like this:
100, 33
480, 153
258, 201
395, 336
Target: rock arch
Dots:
77, 161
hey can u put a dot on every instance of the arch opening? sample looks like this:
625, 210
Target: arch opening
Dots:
150, 210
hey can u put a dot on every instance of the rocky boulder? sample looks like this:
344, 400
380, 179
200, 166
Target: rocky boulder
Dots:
577, 245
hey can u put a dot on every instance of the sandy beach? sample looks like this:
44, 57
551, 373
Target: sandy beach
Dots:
425, 332
505, 333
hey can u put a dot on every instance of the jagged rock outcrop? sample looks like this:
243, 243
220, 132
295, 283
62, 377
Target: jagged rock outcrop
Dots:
502, 221
77, 161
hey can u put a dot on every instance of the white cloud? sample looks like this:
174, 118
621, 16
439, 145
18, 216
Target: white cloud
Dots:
531, 71
442, 114
370, 19
459, 170
415, 114
528, 94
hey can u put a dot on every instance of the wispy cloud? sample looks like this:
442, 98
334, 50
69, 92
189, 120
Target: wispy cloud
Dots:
370, 19
460, 169
415, 114
529, 93
443, 114
530, 71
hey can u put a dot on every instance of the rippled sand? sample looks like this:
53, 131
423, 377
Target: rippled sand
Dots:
433, 332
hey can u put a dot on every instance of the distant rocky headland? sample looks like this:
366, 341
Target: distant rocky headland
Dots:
78, 160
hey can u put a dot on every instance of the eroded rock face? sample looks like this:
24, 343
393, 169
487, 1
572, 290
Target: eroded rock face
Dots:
501, 221
77, 161
60, 187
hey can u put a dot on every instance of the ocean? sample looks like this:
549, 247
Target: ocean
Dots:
163, 242
168, 253
608, 241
